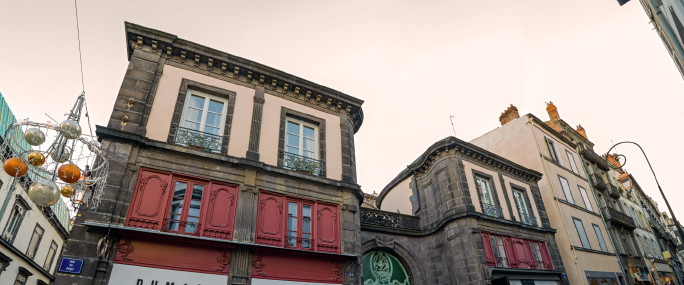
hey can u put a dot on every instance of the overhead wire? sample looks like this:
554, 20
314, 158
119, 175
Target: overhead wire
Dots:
80, 59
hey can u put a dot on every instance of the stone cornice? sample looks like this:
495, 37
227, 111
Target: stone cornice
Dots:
551, 130
452, 145
575, 133
217, 62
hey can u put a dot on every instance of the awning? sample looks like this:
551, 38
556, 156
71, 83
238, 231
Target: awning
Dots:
663, 267
514, 273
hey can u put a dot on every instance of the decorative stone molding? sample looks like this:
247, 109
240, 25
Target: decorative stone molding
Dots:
384, 241
258, 264
150, 40
126, 248
222, 260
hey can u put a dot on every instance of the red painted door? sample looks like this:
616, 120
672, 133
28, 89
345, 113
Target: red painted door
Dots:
270, 220
548, 265
148, 204
219, 219
519, 249
328, 229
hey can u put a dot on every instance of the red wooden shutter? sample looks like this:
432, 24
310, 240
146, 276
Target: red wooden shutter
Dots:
219, 219
529, 254
327, 229
489, 253
149, 201
519, 249
270, 220
510, 254
548, 265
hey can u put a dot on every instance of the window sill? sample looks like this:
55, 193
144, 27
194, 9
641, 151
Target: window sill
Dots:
576, 207
565, 168
591, 250
196, 238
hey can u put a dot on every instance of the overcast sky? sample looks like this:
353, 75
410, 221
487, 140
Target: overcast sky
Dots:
414, 63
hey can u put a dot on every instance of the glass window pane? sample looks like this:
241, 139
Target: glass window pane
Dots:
582, 234
292, 128
215, 106
566, 189
178, 197
587, 203
196, 101
292, 209
309, 132
599, 235
292, 150
309, 154
193, 115
213, 120
194, 209
191, 125
197, 191
309, 145
191, 225
293, 140
306, 211
211, 130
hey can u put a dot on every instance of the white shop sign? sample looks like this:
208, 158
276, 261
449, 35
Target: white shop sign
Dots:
137, 275
256, 281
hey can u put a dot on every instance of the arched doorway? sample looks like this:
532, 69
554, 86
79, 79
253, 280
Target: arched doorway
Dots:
381, 267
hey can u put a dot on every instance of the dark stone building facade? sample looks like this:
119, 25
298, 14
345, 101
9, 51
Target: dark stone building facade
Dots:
464, 200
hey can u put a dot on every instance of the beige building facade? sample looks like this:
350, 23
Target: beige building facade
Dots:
583, 242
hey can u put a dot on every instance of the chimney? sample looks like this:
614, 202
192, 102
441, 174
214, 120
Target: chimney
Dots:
510, 114
581, 131
553, 112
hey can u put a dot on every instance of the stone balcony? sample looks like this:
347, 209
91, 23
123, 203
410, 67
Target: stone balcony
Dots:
379, 220
615, 216
613, 191
597, 182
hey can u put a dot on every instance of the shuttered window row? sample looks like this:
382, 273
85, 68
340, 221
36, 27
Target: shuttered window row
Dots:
514, 252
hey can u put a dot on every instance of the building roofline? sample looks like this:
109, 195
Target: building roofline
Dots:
551, 130
216, 62
452, 143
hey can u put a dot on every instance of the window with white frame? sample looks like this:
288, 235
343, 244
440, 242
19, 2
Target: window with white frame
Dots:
301, 138
486, 194
35, 241
571, 158
599, 235
204, 113
566, 189
555, 155
50, 256
585, 197
582, 234
15, 219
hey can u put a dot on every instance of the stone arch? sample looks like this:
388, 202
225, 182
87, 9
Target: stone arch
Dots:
407, 259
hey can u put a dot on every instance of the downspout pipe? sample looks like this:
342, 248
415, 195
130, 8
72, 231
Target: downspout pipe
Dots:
603, 219
672, 36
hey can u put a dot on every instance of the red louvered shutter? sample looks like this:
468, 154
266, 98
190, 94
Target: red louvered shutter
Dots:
327, 229
489, 253
270, 220
510, 253
150, 200
219, 219
548, 265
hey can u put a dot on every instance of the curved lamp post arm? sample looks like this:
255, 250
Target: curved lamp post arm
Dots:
622, 164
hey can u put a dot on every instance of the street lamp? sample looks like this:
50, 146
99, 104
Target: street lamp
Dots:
627, 181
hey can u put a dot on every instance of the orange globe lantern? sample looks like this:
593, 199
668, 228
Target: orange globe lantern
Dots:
68, 191
36, 158
15, 167
69, 173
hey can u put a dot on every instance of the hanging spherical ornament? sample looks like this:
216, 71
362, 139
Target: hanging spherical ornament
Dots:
36, 158
94, 146
65, 155
71, 129
68, 191
34, 136
44, 192
15, 167
69, 173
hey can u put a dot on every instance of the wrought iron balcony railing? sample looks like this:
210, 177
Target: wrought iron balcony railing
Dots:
303, 164
492, 210
179, 226
528, 219
299, 242
619, 217
378, 218
597, 182
196, 139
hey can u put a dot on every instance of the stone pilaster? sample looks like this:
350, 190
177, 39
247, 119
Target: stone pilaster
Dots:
240, 266
505, 193
255, 133
245, 220
348, 153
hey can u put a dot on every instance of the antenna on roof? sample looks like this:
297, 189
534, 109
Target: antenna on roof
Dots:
451, 118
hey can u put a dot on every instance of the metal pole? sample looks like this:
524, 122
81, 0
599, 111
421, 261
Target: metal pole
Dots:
679, 229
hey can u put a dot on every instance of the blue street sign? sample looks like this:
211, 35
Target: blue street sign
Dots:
70, 265
565, 276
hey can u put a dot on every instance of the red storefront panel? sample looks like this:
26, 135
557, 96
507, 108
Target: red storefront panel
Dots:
296, 267
328, 229
518, 252
220, 213
149, 200
174, 255
270, 220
